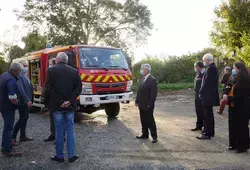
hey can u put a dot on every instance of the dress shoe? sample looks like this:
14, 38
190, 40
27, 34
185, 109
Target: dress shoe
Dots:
50, 138
14, 142
154, 141
142, 137
231, 148
26, 139
217, 111
196, 129
73, 159
12, 154
56, 159
203, 137
241, 150
203, 133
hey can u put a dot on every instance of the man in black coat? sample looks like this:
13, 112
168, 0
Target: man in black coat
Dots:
145, 100
64, 86
200, 70
209, 95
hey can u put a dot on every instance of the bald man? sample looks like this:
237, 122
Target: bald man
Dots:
64, 85
8, 106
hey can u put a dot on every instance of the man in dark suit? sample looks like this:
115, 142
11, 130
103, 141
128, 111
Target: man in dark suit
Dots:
145, 100
26, 92
209, 95
200, 70
64, 86
46, 100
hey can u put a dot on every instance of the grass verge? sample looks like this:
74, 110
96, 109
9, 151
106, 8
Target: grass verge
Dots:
168, 87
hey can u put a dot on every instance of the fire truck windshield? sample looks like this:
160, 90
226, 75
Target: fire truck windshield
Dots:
102, 58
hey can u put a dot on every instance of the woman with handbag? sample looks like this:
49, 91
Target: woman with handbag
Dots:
228, 90
238, 100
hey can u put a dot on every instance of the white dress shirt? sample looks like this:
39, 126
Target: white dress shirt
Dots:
145, 78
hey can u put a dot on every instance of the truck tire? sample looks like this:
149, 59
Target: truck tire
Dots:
78, 117
112, 109
35, 109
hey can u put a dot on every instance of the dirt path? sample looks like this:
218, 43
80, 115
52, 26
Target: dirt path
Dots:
111, 144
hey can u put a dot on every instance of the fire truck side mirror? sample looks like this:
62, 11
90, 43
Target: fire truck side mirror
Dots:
72, 58
71, 53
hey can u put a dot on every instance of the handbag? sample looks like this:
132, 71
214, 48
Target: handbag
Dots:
231, 93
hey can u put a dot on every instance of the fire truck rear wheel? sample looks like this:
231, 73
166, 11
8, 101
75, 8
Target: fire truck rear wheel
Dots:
35, 109
112, 109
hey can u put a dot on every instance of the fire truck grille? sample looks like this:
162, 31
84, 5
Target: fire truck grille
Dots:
113, 92
108, 85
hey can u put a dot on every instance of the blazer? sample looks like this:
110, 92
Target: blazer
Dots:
209, 92
63, 83
8, 87
198, 81
25, 89
147, 93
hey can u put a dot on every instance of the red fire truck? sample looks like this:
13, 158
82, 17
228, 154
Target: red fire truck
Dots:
104, 71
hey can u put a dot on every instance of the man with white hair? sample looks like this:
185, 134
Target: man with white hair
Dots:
26, 91
209, 95
8, 106
64, 86
145, 100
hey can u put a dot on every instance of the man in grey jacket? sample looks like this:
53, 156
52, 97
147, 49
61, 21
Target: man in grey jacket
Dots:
25, 89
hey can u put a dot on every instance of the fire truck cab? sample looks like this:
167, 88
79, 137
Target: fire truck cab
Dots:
104, 71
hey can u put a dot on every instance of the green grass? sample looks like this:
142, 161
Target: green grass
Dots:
169, 87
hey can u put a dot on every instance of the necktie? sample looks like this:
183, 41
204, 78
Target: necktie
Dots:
143, 80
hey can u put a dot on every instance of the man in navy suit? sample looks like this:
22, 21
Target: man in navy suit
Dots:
209, 95
145, 100
25, 89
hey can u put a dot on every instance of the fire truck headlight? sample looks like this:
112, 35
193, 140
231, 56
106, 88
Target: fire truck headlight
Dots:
86, 88
129, 85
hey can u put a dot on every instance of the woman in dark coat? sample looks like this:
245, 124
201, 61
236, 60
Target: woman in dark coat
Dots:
239, 109
228, 90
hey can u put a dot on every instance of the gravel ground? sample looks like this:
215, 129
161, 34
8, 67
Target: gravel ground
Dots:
110, 144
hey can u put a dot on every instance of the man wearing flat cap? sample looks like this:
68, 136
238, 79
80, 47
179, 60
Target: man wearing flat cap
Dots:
145, 101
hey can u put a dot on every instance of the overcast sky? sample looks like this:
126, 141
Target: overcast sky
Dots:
180, 26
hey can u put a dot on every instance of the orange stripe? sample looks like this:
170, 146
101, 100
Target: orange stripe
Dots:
85, 78
125, 78
106, 79
115, 78
98, 78
121, 78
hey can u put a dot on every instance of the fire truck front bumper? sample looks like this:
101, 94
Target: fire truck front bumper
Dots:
106, 98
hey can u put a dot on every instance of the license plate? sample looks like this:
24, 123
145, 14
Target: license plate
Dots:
111, 97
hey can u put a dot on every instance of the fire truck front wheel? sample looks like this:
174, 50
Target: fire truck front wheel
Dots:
35, 109
112, 109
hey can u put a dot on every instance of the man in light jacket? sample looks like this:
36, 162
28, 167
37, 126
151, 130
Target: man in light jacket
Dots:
26, 92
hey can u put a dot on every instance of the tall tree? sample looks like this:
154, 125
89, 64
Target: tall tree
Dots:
11, 52
244, 53
232, 20
90, 21
3, 65
33, 41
